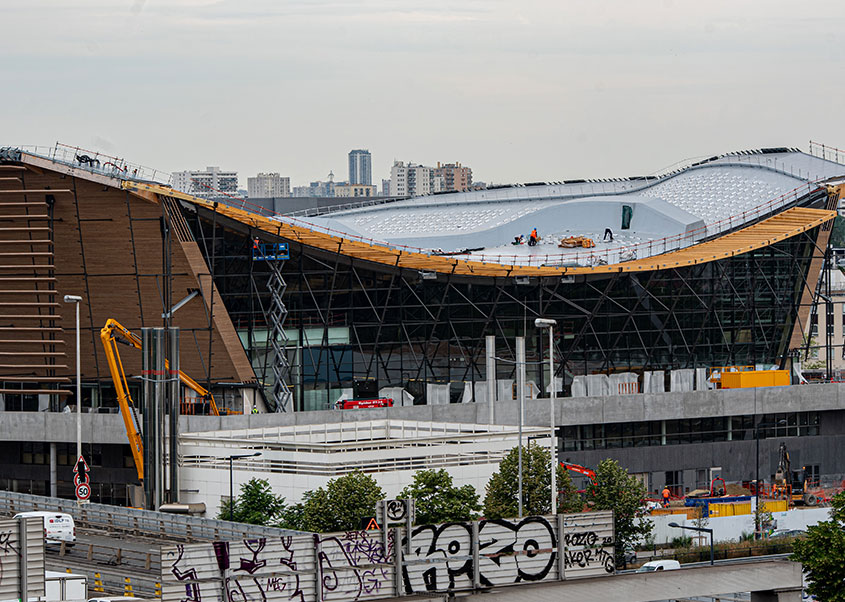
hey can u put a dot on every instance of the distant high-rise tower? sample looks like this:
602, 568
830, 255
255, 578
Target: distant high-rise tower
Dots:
360, 167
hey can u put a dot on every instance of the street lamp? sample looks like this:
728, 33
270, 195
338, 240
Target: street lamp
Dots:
550, 324
231, 478
703, 530
757, 428
76, 299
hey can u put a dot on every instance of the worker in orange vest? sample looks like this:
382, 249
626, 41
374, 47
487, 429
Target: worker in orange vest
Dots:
666, 494
532, 238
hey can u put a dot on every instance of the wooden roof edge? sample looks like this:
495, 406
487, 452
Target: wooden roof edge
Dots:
448, 264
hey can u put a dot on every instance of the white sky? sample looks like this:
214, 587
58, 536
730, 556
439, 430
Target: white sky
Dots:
519, 90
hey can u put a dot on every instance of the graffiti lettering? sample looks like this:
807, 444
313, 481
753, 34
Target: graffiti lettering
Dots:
397, 510
356, 566
509, 552
6, 544
585, 538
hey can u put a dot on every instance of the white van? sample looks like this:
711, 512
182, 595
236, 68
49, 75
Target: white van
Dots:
659, 565
58, 527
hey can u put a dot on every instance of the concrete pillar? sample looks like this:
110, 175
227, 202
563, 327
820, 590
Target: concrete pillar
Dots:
54, 483
491, 375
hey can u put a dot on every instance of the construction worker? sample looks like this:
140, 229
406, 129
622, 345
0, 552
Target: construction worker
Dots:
255, 409
532, 238
666, 494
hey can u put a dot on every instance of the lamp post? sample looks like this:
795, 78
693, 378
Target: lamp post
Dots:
76, 299
231, 479
550, 324
703, 530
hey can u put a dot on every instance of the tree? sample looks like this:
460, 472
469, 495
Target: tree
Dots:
342, 504
821, 552
616, 490
502, 497
438, 500
256, 505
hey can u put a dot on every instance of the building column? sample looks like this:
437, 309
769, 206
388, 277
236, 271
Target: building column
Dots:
54, 483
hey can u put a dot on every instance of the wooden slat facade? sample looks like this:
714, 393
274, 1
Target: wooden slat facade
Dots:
32, 349
68, 233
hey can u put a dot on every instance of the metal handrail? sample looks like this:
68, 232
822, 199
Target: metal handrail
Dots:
120, 168
826, 151
119, 518
106, 165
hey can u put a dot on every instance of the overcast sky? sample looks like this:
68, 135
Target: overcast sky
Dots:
519, 90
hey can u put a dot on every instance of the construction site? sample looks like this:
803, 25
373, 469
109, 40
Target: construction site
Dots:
204, 323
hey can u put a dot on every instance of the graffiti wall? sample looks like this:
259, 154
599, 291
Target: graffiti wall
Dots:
369, 565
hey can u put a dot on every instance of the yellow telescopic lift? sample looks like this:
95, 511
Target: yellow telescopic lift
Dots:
111, 334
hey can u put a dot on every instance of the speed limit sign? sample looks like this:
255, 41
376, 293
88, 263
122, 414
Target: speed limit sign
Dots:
83, 492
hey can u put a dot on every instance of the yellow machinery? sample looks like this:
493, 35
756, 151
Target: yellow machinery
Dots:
111, 334
744, 377
757, 378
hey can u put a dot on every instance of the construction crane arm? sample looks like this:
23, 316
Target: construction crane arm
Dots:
110, 334
591, 474
201, 391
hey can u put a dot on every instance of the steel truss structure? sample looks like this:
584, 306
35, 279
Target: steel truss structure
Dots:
350, 321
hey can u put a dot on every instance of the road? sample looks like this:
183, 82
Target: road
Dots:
114, 557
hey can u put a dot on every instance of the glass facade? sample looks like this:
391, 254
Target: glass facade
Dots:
356, 321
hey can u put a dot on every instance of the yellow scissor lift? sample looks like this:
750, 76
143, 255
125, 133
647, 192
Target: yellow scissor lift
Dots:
111, 334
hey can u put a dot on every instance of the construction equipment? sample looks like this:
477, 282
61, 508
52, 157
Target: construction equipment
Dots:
717, 490
791, 484
587, 472
111, 334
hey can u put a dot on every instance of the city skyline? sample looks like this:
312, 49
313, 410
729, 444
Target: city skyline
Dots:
541, 91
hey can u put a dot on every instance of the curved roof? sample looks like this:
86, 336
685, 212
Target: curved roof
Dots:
715, 208
784, 225
702, 200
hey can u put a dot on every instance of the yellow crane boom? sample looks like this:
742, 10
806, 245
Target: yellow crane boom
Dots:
111, 334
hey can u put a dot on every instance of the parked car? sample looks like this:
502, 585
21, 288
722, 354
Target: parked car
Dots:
58, 527
787, 533
659, 565
629, 556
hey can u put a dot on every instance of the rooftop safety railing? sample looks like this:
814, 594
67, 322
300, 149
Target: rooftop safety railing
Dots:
591, 257
98, 163
830, 153
318, 211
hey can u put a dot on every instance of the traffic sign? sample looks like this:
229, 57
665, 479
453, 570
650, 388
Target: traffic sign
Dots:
81, 466
83, 492
80, 478
369, 523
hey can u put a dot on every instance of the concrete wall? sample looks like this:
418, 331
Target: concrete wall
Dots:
735, 458
569, 410
47, 426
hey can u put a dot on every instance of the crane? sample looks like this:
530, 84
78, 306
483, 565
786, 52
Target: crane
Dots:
111, 334
587, 472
